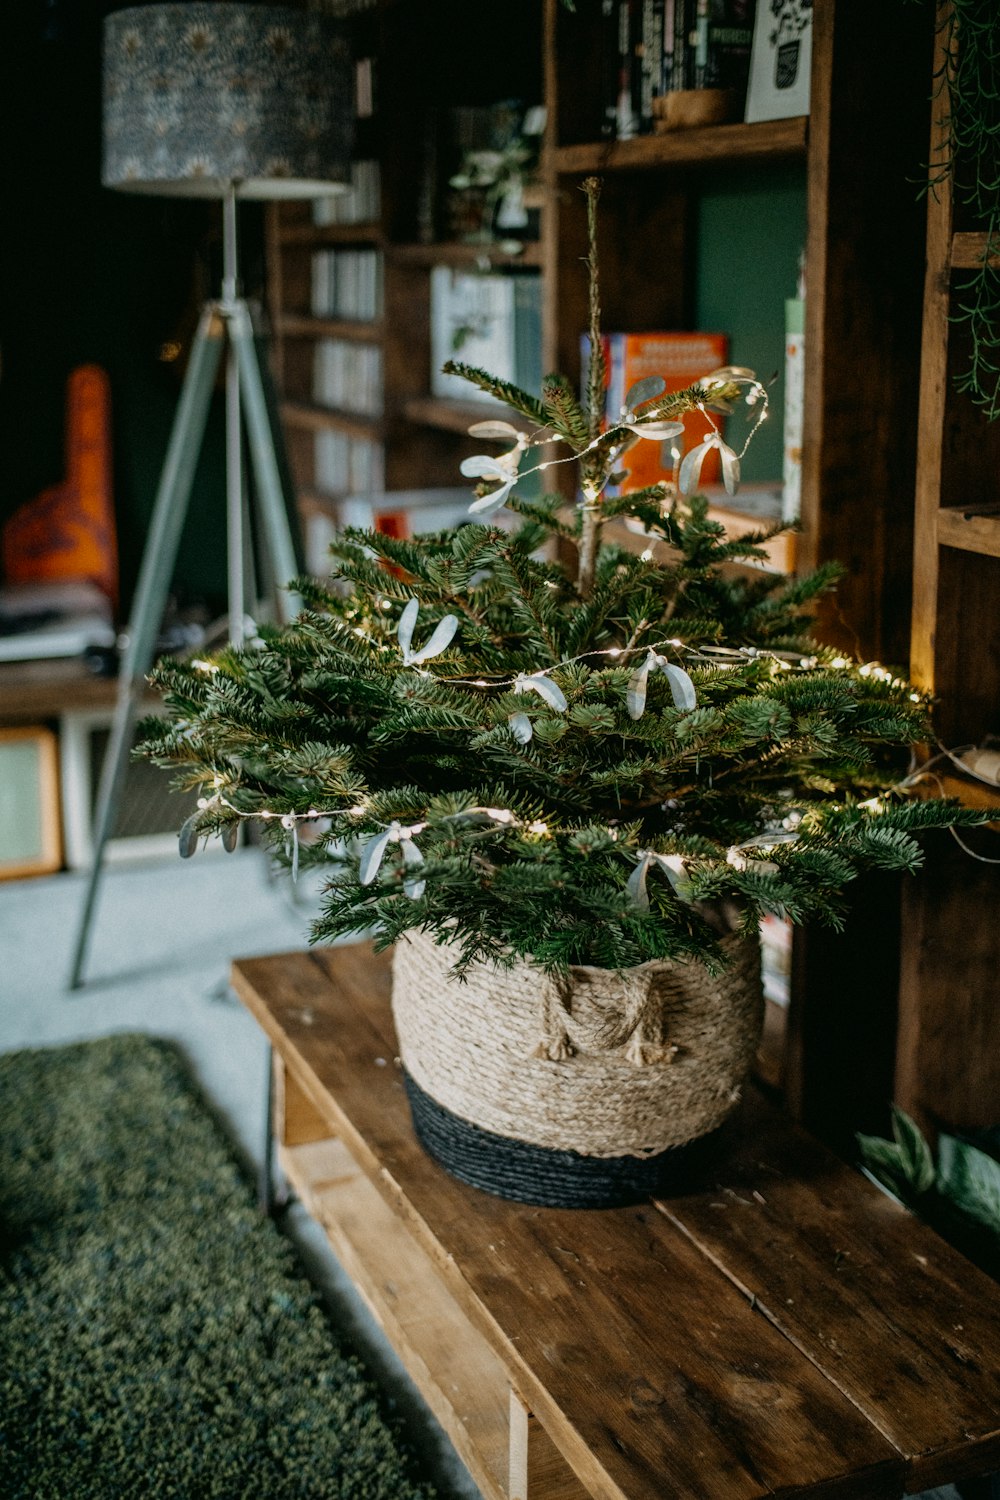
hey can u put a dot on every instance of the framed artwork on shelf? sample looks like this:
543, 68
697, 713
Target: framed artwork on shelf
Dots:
150, 810
780, 61
30, 838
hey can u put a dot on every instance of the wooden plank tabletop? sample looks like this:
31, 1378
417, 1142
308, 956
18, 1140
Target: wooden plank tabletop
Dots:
789, 1331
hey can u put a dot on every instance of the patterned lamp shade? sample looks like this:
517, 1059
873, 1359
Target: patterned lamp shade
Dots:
199, 97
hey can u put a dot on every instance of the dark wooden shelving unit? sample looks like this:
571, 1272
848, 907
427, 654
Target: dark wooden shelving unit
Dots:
949, 1036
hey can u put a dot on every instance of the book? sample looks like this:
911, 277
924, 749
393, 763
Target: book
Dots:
651, 60
682, 73
795, 374
491, 321
607, 45
627, 108
680, 359
728, 39
347, 376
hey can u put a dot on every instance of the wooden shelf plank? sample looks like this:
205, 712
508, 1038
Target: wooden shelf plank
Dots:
707, 145
968, 250
310, 236
457, 253
959, 527
458, 416
948, 781
305, 326
305, 414
315, 499
35, 690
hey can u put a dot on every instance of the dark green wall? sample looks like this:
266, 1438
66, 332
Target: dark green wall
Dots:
751, 230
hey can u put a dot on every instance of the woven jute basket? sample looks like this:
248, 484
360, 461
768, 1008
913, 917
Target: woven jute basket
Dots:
582, 1092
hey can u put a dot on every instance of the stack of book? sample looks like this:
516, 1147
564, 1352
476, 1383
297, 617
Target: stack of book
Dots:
344, 464
652, 48
360, 204
347, 284
348, 376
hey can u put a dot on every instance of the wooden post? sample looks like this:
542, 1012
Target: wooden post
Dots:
296, 1119
538, 1470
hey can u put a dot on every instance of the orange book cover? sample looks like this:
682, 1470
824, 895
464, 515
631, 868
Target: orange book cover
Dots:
680, 359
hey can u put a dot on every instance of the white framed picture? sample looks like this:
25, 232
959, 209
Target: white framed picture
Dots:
150, 811
780, 60
29, 803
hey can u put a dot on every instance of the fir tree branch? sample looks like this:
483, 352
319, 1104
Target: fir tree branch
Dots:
565, 413
502, 390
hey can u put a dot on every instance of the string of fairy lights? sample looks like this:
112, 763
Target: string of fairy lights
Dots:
750, 854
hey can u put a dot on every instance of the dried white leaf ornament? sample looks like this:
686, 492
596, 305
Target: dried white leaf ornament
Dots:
549, 691
692, 465
681, 687
439, 640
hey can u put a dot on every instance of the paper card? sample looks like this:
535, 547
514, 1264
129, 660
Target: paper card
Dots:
780, 61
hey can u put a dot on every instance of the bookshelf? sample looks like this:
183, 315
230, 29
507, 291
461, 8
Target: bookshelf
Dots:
414, 440
948, 1057
863, 228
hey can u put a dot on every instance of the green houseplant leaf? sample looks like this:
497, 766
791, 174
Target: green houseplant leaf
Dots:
971, 1179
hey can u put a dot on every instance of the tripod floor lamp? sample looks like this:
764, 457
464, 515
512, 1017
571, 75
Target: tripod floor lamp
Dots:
223, 101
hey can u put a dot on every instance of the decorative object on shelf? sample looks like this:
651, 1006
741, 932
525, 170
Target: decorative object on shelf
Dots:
30, 837
576, 789
781, 61
216, 101
67, 533
488, 201
681, 109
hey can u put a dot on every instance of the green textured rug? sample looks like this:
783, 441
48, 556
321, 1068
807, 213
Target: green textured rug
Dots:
157, 1335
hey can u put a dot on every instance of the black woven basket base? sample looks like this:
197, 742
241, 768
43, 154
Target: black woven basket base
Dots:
551, 1178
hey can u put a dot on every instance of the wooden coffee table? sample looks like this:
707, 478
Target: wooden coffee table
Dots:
787, 1331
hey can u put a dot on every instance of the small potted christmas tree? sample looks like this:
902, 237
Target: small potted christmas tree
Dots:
566, 779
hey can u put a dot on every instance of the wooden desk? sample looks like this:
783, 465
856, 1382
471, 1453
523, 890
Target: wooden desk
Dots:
789, 1331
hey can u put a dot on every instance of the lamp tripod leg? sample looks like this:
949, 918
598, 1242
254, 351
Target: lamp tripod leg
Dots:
264, 445
155, 573
235, 506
